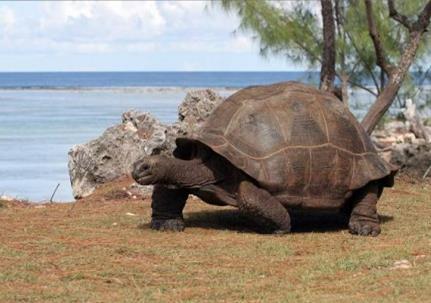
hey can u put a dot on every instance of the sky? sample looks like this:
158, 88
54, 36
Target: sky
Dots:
127, 36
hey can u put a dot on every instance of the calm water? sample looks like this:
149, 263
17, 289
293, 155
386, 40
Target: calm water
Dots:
42, 115
79, 80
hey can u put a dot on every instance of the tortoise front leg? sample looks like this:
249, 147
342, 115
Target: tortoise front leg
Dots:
364, 219
167, 205
260, 203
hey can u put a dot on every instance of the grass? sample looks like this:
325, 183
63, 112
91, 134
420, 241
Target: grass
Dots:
92, 251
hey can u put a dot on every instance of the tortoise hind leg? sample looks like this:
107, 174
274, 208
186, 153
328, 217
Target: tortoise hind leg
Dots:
364, 219
261, 204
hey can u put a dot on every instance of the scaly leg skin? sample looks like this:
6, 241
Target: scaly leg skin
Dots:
260, 203
364, 220
167, 205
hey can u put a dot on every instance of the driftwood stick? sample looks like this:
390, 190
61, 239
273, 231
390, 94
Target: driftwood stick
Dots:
53, 194
416, 124
426, 172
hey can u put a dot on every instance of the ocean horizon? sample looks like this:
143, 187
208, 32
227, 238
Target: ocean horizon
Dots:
79, 80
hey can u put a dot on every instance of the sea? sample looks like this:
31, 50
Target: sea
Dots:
43, 114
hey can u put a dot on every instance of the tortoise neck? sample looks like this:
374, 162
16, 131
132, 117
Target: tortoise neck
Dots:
190, 173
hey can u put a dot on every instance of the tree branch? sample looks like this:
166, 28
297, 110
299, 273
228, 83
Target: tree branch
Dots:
394, 14
385, 99
362, 87
375, 37
364, 62
423, 19
306, 50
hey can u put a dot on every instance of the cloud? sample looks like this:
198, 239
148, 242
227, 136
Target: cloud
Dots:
102, 21
7, 19
94, 27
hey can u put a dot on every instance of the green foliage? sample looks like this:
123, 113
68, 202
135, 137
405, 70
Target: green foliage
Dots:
293, 33
294, 29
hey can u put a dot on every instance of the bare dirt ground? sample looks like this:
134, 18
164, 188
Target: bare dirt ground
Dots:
92, 251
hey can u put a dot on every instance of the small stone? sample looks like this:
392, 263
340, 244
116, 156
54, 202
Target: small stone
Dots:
402, 264
114, 280
114, 224
140, 190
6, 198
131, 214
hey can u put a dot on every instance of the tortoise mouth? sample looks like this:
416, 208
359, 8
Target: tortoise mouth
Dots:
141, 172
143, 177
144, 180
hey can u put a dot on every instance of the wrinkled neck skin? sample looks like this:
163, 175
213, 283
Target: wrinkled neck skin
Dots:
193, 173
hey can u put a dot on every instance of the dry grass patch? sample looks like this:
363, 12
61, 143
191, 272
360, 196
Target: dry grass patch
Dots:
92, 251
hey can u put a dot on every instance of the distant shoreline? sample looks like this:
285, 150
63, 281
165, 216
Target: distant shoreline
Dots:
132, 89
113, 89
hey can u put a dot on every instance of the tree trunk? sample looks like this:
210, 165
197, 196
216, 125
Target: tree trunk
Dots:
397, 73
396, 78
327, 72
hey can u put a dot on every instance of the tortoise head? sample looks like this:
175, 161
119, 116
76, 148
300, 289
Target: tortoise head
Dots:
150, 170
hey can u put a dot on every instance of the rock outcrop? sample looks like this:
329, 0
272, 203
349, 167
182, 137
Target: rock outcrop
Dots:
398, 144
415, 159
196, 108
112, 154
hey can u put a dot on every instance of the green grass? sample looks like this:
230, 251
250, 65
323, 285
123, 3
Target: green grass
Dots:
93, 252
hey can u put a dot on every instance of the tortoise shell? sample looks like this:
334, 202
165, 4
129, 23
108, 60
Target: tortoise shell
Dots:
293, 139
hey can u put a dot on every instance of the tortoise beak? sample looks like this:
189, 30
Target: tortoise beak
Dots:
141, 171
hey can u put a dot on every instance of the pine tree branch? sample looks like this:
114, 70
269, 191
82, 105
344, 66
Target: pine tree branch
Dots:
423, 19
394, 14
362, 87
364, 62
375, 37
388, 94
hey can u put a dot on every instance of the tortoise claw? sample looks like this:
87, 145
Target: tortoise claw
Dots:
364, 228
176, 225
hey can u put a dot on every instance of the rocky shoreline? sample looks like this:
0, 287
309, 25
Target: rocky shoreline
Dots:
111, 156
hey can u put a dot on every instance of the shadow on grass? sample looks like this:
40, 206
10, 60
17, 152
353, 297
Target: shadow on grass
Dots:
231, 219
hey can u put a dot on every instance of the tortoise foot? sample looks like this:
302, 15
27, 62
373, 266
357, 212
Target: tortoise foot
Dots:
364, 227
176, 225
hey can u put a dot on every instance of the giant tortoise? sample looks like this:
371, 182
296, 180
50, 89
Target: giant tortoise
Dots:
268, 150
